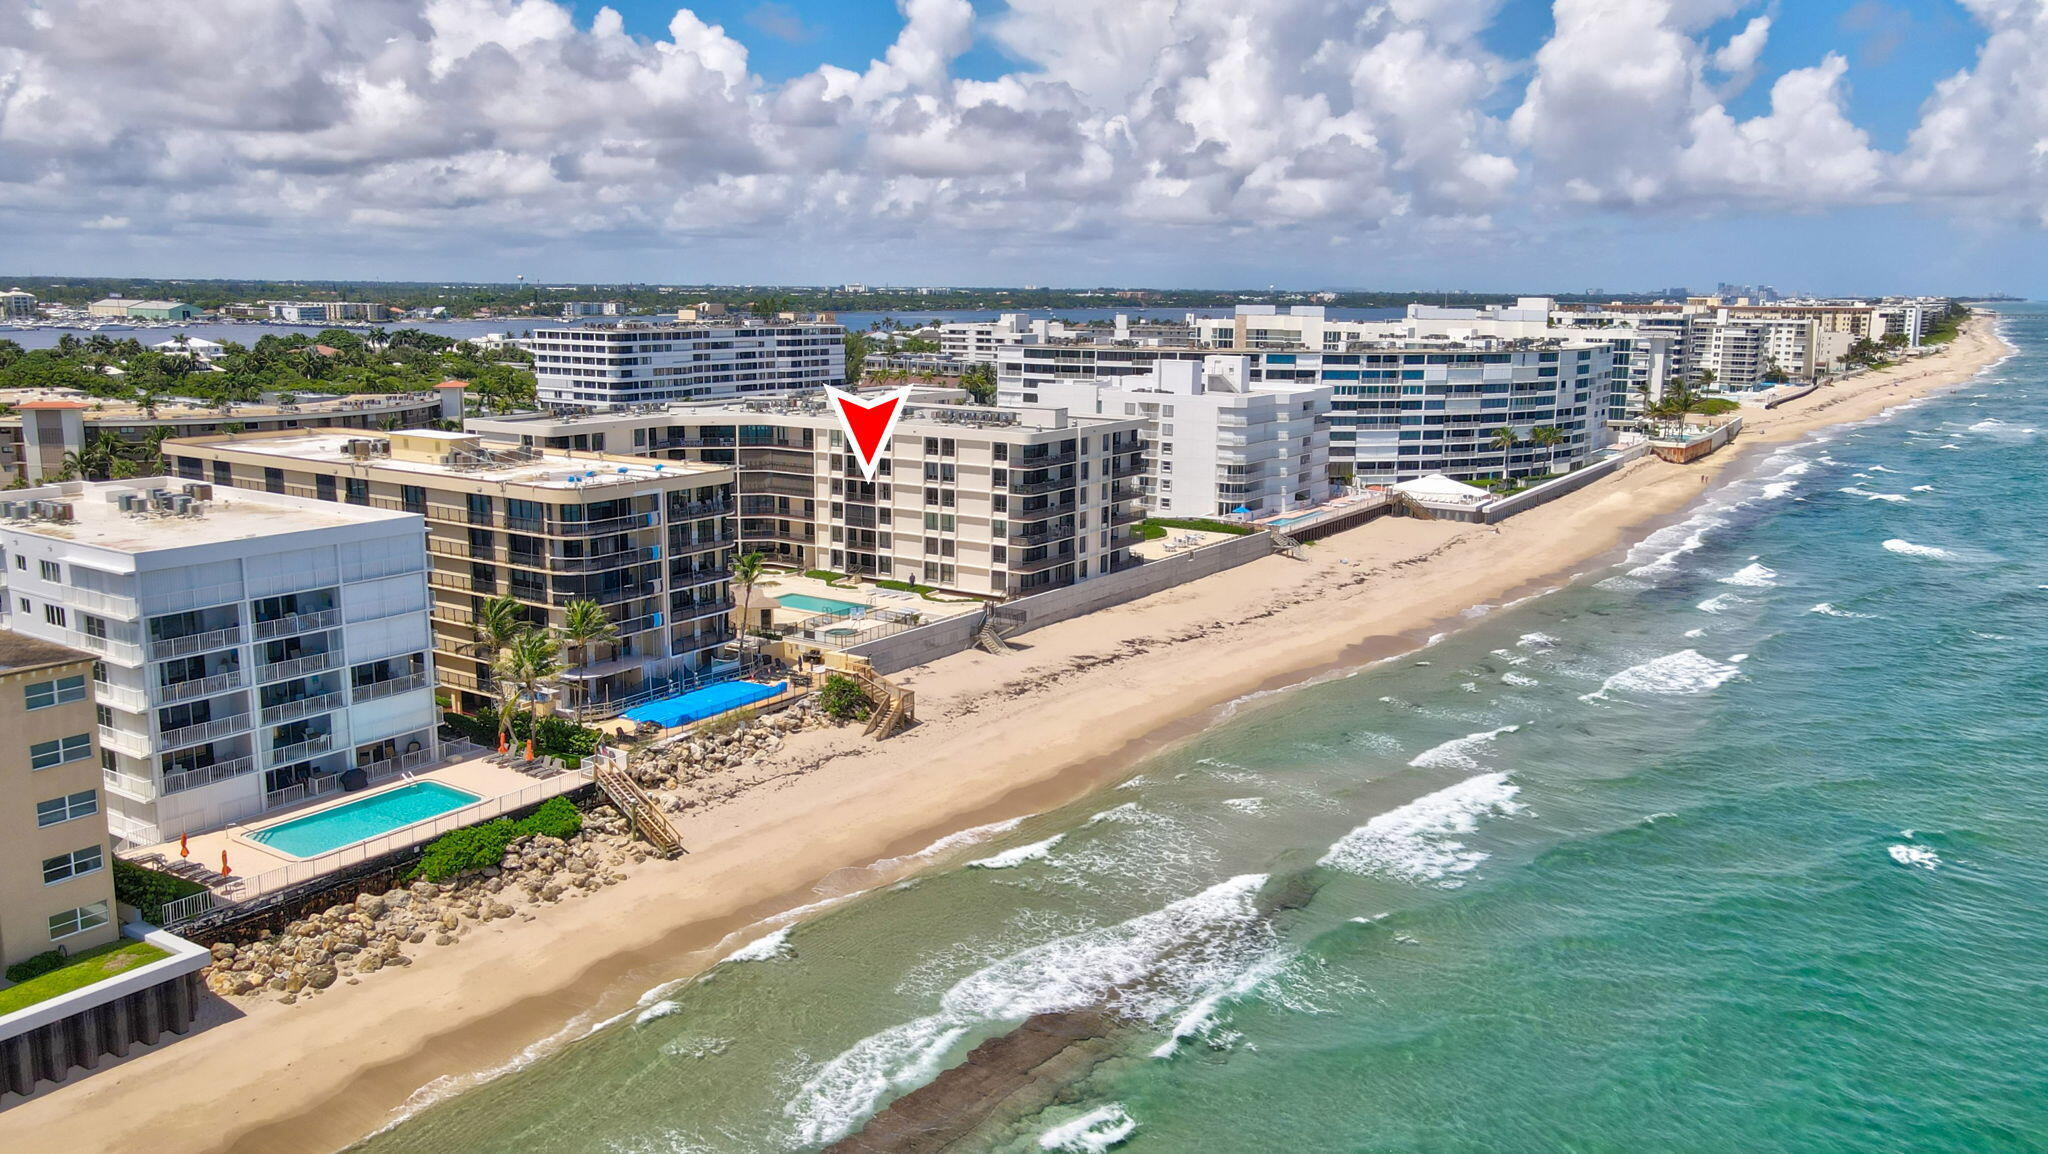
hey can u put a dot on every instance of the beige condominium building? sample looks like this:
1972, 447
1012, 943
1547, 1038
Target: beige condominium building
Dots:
56, 883
989, 501
650, 541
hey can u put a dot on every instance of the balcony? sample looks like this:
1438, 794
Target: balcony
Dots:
203, 732
755, 485
296, 667
690, 579
1047, 486
720, 541
120, 697
594, 564
192, 643
702, 609
180, 780
128, 785
1048, 461
300, 751
285, 711
391, 687
197, 687
297, 623
124, 741
1055, 531
1126, 467
1041, 564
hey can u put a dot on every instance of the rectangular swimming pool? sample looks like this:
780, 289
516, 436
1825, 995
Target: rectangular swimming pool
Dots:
810, 604
363, 818
699, 704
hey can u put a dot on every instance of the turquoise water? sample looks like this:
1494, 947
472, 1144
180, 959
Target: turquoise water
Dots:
698, 704
1734, 846
812, 604
363, 818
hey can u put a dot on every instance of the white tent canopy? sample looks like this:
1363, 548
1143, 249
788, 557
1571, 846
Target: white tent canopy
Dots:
1442, 490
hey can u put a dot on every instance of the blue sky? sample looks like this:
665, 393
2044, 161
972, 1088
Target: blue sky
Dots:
1426, 144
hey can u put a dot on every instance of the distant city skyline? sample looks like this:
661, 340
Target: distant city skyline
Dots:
1839, 146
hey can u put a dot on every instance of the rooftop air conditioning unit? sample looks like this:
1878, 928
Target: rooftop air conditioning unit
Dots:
199, 491
62, 511
13, 510
182, 505
128, 502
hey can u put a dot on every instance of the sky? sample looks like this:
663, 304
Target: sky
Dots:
1830, 146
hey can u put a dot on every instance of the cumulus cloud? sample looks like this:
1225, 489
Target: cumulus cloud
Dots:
509, 118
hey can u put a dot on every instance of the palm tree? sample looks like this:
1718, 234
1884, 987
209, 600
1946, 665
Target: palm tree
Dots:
1547, 438
746, 570
584, 624
534, 661
498, 623
146, 400
505, 683
1505, 439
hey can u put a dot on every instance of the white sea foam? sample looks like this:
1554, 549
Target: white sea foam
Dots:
1457, 752
1720, 602
1199, 1020
1777, 489
763, 949
1827, 610
1908, 549
1124, 812
1245, 804
657, 1011
1914, 856
1695, 634
1415, 843
1880, 469
1147, 967
1511, 657
951, 841
1674, 674
1513, 678
1923, 488
1869, 495
1098, 1130
1012, 858
1754, 575
1657, 555
1538, 641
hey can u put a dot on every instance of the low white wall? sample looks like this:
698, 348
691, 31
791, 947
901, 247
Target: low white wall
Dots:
942, 638
1570, 482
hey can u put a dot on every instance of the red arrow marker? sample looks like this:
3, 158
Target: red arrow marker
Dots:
868, 423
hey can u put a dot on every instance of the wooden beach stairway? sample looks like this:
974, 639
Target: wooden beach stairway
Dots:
639, 809
895, 707
1286, 546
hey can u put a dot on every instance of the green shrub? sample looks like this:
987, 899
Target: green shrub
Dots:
36, 965
478, 846
557, 737
844, 699
1715, 406
147, 889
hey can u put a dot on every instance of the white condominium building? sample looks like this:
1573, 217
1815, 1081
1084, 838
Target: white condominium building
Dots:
602, 366
989, 501
254, 649
1215, 446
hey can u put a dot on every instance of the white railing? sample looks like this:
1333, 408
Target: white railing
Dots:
122, 741
109, 604
296, 667
122, 652
120, 696
298, 623
285, 754
180, 910
128, 785
200, 686
377, 690
192, 643
207, 731
303, 707
180, 780
157, 604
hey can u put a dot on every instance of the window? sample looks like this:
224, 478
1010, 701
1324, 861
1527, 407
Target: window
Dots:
273, 480
358, 490
223, 473
51, 571
323, 488
58, 810
54, 614
78, 921
44, 754
413, 497
63, 691
93, 626
77, 863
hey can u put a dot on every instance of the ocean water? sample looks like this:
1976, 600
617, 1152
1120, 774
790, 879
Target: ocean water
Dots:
1736, 845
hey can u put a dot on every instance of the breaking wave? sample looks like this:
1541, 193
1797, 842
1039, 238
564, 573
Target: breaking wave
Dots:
1415, 843
1674, 674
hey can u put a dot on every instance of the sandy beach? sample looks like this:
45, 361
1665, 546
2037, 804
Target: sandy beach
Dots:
1000, 737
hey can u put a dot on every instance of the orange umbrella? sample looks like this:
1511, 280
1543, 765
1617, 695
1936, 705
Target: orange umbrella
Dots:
224, 870
503, 745
529, 749
184, 845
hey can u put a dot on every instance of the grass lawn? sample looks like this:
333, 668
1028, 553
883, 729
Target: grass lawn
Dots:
93, 965
1153, 528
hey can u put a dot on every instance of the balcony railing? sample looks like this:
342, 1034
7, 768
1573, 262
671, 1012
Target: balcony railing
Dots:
180, 780
197, 687
192, 643
302, 707
1052, 531
391, 687
123, 741
203, 732
120, 696
702, 609
297, 667
720, 541
128, 785
300, 751
1050, 485
690, 579
297, 623
1048, 461
1041, 564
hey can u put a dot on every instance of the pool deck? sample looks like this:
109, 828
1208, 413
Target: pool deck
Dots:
259, 869
864, 594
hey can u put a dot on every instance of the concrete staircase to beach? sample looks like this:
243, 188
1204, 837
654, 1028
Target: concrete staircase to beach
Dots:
640, 809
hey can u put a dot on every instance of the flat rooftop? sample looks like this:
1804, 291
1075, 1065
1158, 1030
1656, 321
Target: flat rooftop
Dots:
542, 468
97, 518
809, 409
19, 652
